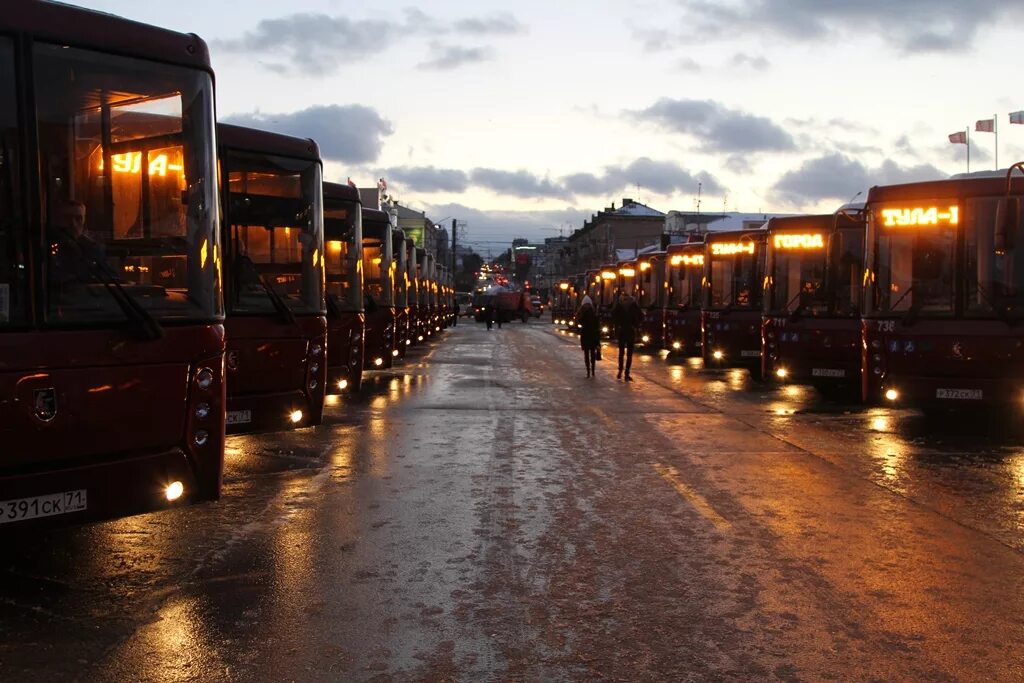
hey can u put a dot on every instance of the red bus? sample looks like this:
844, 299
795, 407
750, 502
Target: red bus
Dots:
111, 314
378, 293
343, 237
943, 293
734, 269
400, 285
651, 290
274, 240
685, 270
812, 327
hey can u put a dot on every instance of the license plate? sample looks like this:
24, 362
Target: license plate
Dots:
50, 505
239, 417
827, 372
750, 354
960, 394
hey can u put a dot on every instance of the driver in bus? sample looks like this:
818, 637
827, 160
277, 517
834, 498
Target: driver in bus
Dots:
75, 254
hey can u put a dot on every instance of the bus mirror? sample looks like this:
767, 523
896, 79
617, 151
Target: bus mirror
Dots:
1007, 222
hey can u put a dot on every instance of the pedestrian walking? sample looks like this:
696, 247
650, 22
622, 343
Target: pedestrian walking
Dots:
489, 315
455, 320
627, 317
590, 334
497, 315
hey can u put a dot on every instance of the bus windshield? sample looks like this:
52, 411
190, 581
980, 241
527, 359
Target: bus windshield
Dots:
914, 267
343, 230
377, 269
798, 275
401, 276
846, 269
651, 275
994, 282
734, 275
128, 180
684, 287
275, 211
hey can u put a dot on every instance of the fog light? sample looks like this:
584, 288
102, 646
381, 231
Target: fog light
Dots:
378, 362
676, 345
718, 355
419, 338
174, 491
408, 341
343, 384
605, 330
204, 378
201, 437
437, 329
892, 395
296, 416
203, 411
781, 373
645, 339
395, 353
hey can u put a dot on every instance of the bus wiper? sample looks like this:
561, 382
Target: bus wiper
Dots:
902, 297
275, 299
133, 310
1003, 313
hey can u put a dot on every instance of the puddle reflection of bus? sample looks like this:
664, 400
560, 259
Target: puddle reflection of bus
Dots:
944, 293
651, 290
276, 323
378, 293
812, 327
685, 268
734, 263
343, 235
112, 334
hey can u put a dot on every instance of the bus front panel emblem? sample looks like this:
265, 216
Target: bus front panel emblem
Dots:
44, 404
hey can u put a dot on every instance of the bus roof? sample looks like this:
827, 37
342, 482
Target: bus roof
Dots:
726, 235
338, 191
812, 222
984, 186
255, 140
685, 246
375, 223
65, 24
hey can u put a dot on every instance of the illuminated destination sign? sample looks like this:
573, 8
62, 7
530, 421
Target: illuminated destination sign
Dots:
159, 165
911, 217
688, 260
809, 241
627, 272
731, 248
608, 275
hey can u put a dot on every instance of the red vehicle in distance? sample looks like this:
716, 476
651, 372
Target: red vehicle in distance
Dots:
651, 292
276, 318
944, 293
343, 235
685, 270
734, 270
812, 327
400, 283
111, 314
378, 292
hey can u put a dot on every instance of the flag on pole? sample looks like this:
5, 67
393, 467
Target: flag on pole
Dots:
350, 183
1017, 117
958, 138
985, 126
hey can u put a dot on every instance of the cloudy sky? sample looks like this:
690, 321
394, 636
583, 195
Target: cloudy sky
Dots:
523, 118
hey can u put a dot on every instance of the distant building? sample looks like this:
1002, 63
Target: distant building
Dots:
632, 226
680, 225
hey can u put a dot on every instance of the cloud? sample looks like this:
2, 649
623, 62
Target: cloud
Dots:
910, 26
494, 229
515, 183
317, 44
353, 133
497, 24
448, 57
689, 64
838, 177
745, 60
430, 179
718, 128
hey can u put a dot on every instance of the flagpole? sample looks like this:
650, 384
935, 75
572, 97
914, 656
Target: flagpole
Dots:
995, 129
968, 129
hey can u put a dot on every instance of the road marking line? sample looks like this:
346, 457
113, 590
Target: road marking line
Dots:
672, 476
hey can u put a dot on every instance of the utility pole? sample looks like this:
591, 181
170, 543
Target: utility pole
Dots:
455, 231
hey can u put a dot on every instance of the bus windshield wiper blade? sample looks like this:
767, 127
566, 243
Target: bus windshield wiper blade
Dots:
133, 310
276, 300
900, 300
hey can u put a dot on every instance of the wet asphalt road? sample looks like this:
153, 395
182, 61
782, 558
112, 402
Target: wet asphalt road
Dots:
485, 512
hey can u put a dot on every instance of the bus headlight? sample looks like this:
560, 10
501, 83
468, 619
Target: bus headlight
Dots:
781, 373
718, 355
395, 353
892, 395
378, 362
676, 345
342, 384
645, 338
605, 329
174, 491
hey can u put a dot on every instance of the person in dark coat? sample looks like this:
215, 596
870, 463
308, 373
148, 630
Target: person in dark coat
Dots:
489, 314
590, 334
455, 318
627, 317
